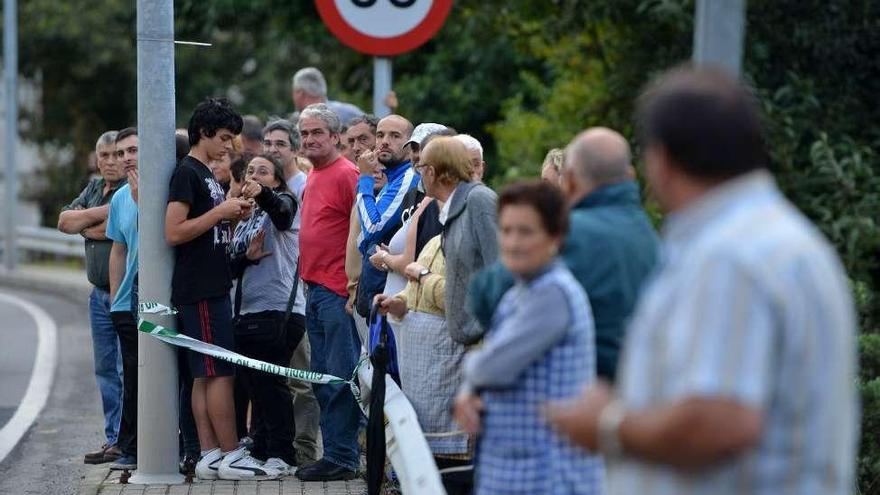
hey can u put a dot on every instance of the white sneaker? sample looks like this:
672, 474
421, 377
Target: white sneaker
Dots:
208, 465
279, 465
239, 465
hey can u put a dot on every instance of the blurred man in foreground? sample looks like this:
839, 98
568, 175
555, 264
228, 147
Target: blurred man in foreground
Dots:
738, 369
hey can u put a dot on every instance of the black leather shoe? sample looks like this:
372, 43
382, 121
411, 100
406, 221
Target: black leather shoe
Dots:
96, 457
324, 470
108, 453
188, 465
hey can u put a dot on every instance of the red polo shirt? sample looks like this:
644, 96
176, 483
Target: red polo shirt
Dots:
326, 210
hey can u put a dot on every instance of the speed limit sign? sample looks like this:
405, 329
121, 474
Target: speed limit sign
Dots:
383, 27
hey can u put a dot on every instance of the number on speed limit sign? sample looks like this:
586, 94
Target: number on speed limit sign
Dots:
384, 27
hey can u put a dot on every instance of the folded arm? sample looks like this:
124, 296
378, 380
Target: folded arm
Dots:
75, 221
96, 232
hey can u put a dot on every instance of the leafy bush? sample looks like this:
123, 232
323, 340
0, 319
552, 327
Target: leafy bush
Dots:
869, 388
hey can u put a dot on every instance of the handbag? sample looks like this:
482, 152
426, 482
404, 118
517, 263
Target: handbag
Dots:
259, 329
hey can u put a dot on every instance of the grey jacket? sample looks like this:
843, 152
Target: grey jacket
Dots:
470, 242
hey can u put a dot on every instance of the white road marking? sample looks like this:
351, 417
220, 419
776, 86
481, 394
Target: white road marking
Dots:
40, 384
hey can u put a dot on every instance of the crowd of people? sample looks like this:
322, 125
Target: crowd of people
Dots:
547, 338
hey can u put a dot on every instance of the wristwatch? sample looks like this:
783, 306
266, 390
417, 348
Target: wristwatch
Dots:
610, 419
422, 273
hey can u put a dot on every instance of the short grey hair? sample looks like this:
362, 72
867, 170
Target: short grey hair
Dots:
470, 143
286, 126
323, 113
252, 128
599, 155
108, 137
311, 81
367, 118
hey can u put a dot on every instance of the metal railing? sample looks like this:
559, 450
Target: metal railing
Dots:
46, 240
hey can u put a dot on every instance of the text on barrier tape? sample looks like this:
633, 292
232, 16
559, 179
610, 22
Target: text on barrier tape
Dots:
172, 337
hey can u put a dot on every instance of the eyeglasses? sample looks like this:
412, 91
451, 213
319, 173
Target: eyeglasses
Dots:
421, 165
278, 144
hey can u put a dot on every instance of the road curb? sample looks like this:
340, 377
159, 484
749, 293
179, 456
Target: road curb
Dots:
91, 483
46, 282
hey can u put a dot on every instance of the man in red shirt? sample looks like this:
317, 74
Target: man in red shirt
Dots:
326, 209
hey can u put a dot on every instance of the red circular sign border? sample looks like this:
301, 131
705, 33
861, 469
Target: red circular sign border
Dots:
384, 47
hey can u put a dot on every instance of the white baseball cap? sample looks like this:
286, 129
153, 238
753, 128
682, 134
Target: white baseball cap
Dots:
424, 130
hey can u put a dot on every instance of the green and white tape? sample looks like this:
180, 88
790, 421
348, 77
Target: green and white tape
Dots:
153, 308
405, 442
172, 337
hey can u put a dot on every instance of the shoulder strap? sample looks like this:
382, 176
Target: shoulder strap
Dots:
290, 300
237, 303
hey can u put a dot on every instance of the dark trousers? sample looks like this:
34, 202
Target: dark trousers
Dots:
272, 423
457, 482
126, 328
189, 435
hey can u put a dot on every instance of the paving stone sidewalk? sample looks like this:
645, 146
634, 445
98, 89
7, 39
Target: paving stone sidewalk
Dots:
102, 481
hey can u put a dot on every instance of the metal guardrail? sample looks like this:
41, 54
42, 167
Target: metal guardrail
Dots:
49, 241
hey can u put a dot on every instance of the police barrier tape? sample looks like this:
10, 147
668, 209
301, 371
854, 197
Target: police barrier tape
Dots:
172, 337
405, 442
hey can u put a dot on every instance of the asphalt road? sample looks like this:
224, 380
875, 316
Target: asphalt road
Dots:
18, 347
48, 459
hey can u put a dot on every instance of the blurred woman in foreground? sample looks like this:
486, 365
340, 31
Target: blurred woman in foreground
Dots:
540, 348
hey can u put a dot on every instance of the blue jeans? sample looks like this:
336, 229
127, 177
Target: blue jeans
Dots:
108, 361
335, 351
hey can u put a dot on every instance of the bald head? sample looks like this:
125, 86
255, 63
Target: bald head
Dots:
392, 133
599, 156
399, 121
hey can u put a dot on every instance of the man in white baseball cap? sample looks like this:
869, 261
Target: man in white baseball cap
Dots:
419, 134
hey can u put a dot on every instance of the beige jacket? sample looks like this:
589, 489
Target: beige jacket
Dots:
428, 295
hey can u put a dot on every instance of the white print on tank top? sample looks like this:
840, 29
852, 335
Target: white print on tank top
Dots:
222, 231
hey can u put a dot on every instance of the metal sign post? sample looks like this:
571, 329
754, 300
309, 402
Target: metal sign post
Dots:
382, 77
719, 33
383, 29
157, 362
10, 142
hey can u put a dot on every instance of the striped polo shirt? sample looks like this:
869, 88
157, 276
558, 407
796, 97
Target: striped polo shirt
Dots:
749, 303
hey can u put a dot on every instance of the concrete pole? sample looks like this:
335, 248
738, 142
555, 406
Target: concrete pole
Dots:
719, 33
381, 85
10, 142
157, 362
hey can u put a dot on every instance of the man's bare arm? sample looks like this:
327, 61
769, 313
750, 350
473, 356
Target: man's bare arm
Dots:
179, 229
74, 221
693, 433
689, 434
117, 267
96, 232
